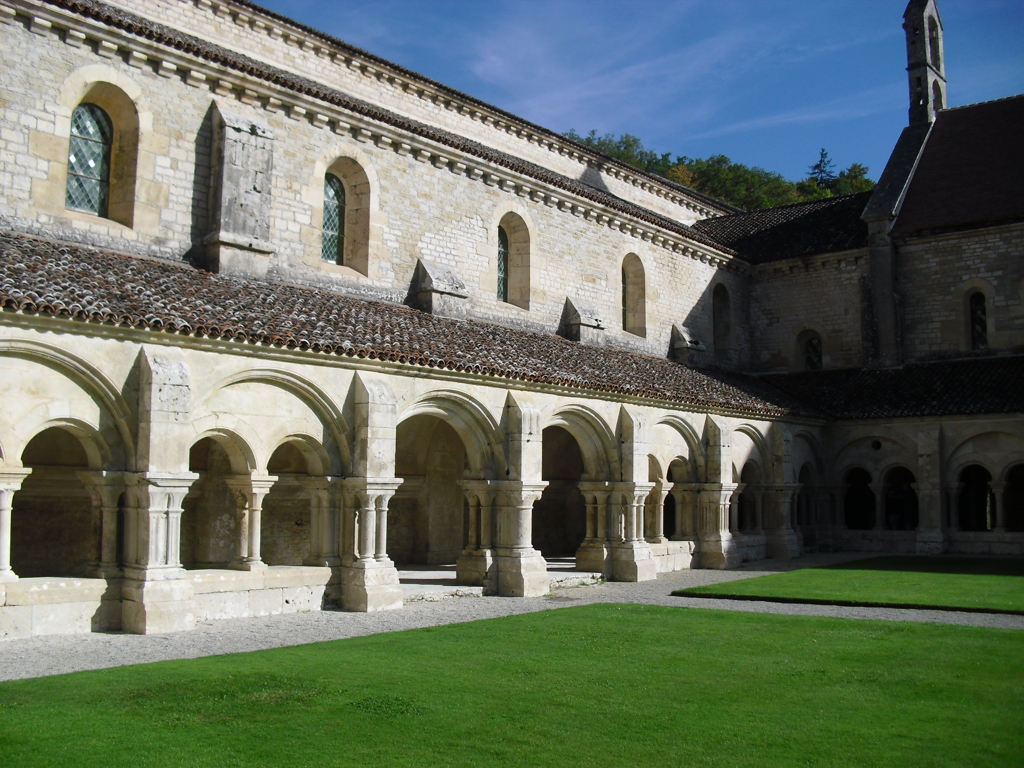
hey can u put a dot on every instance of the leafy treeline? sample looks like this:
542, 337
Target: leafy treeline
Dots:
735, 183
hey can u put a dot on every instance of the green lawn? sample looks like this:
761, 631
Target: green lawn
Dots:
601, 685
973, 583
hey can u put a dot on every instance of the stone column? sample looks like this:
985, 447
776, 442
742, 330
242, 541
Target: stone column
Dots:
105, 488
780, 537
686, 495
249, 494
522, 571
157, 596
476, 564
369, 579
594, 553
717, 547
10, 483
632, 559
324, 500
654, 530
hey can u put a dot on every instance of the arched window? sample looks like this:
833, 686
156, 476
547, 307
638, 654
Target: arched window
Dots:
809, 356
92, 138
332, 247
746, 512
634, 296
1013, 499
721, 319
978, 320
900, 500
502, 264
976, 506
937, 101
513, 261
859, 501
933, 44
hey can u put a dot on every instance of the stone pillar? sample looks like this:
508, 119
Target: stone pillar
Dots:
249, 494
594, 553
105, 488
878, 489
156, 595
369, 579
522, 571
780, 537
476, 564
654, 530
717, 547
686, 495
10, 483
632, 559
325, 498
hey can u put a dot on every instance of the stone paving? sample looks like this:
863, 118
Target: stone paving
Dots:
41, 656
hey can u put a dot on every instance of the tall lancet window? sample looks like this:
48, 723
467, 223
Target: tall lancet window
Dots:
502, 264
978, 321
332, 246
92, 136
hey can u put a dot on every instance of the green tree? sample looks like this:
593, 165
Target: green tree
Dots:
823, 172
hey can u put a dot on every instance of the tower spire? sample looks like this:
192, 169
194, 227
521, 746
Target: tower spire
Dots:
926, 66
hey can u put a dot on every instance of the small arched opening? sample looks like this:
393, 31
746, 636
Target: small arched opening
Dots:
332, 244
934, 53
212, 509
1013, 499
900, 500
976, 504
286, 520
809, 351
54, 531
513, 261
977, 319
746, 503
634, 296
345, 216
858, 500
805, 518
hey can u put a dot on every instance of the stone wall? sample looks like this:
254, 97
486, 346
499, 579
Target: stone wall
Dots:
822, 294
935, 277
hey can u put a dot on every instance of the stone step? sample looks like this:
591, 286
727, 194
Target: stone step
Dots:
429, 593
565, 580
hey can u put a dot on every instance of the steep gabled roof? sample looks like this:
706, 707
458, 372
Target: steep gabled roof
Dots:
971, 173
42, 277
789, 231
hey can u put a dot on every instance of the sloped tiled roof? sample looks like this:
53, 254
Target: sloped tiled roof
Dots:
971, 173
195, 46
975, 386
48, 278
790, 231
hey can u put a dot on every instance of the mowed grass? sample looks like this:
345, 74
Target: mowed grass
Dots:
974, 583
607, 685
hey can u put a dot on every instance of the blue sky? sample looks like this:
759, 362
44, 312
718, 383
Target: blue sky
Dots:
766, 82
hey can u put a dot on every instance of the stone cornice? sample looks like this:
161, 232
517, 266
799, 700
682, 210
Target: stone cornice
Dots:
365, 123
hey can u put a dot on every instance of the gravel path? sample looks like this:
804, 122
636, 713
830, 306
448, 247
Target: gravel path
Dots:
41, 656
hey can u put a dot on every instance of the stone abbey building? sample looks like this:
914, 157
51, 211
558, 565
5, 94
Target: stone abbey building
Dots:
279, 315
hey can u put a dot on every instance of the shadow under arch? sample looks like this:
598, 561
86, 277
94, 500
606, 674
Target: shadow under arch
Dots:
693, 442
473, 423
596, 440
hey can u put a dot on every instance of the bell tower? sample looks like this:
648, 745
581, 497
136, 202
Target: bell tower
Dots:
926, 67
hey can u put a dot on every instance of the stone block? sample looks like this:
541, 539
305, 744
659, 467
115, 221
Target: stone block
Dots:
51, 591
266, 602
168, 590
225, 580
303, 599
296, 576
522, 574
155, 618
370, 588
213, 606
64, 618
15, 622
107, 617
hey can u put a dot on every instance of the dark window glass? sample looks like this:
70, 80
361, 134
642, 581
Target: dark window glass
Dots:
979, 321
332, 247
502, 264
92, 136
812, 354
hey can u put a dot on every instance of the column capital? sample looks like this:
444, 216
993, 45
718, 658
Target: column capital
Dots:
12, 478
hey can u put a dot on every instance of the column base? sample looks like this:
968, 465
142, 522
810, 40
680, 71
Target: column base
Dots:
718, 551
248, 565
522, 573
477, 568
152, 607
6, 577
370, 586
633, 561
782, 544
594, 556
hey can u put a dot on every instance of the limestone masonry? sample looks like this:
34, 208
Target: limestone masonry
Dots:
279, 315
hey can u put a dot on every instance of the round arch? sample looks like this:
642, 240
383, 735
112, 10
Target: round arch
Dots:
596, 440
474, 424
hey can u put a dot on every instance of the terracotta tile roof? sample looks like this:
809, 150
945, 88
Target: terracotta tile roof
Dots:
789, 231
49, 278
971, 173
983, 385
160, 33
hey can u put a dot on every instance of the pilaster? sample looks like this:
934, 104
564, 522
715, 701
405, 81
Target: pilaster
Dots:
10, 483
717, 547
522, 571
